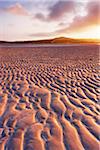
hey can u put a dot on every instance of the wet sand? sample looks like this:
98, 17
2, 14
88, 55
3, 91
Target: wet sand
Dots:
49, 98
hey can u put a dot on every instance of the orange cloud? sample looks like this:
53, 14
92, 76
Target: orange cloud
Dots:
16, 9
81, 22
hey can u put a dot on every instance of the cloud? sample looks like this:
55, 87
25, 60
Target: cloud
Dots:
40, 16
60, 9
16, 9
57, 11
94, 11
79, 23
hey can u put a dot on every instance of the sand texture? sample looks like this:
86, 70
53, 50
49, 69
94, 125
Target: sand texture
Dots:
49, 98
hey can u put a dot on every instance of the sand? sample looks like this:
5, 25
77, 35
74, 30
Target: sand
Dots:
49, 98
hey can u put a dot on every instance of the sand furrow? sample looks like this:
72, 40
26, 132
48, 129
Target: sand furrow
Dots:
49, 100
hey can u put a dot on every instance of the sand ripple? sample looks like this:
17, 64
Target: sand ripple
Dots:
49, 99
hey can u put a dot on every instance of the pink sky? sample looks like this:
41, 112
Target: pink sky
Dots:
39, 19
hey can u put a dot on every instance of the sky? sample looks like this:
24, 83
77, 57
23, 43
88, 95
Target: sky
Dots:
43, 19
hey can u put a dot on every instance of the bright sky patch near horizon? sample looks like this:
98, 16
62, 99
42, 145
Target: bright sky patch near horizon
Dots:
43, 19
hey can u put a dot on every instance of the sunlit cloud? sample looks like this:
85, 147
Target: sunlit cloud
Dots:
36, 19
16, 9
80, 23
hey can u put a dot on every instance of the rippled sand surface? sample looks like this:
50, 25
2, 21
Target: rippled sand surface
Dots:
49, 98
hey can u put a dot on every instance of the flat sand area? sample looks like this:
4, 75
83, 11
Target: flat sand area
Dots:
49, 98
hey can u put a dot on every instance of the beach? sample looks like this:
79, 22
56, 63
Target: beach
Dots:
49, 97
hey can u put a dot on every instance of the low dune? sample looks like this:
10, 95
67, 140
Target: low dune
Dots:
49, 98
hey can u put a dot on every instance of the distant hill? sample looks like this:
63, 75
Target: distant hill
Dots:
69, 40
59, 40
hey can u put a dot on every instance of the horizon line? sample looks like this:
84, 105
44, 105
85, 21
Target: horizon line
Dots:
45, 39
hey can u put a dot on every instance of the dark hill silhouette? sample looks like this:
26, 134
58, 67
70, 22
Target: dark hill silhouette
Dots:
59, 40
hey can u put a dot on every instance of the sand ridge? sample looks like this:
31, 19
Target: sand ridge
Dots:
49, 98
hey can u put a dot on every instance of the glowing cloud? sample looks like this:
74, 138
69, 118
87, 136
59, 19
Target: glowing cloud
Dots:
36, 19
16, 9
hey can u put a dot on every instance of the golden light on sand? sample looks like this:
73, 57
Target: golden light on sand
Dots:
49, 98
